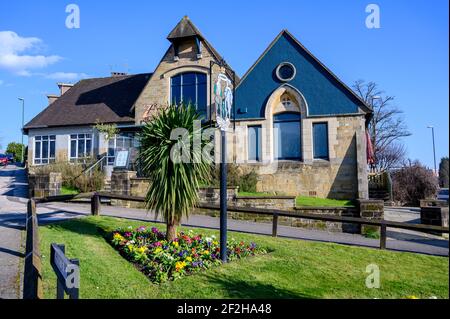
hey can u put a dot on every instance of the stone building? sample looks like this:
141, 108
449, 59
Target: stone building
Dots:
295, 123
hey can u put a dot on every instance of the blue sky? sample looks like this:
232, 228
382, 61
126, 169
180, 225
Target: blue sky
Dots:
408, 56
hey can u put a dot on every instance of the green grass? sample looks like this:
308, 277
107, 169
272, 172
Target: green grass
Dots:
69, 191
292, 269
322, 202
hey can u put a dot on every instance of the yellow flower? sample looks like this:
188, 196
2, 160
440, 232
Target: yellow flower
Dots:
180, 265
189, 259
206, 252
175, 243
158, 250
130, 247
141, 250
118, 236
215, 242
411, 297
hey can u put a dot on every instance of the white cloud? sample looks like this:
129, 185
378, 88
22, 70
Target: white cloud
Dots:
1, 82
15, 54
66, 76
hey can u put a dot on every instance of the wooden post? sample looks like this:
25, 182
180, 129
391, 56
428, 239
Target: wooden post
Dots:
275, 225
383, 236
95, 205
32, 281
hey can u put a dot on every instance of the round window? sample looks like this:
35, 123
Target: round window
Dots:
286, 71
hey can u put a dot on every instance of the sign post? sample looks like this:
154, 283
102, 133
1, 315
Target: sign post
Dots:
67, 272
223, 101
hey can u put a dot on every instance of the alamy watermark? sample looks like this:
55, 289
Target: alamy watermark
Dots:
373, 19
73, 19
373, 279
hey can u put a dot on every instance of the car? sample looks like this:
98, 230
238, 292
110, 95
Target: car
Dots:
3, 160
10, 157
443, 194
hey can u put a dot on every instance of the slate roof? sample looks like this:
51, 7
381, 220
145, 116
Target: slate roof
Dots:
104, 100
184, 28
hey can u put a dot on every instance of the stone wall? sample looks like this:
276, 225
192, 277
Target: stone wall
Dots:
266, 202
43, 185
434, 212
372, 210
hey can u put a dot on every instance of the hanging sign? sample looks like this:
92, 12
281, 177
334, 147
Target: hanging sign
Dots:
223, 100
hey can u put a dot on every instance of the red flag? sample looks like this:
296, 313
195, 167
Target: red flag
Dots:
370, 153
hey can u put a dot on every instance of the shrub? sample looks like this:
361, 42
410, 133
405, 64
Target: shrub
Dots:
163, 260
73, 177
235, 177
413, 183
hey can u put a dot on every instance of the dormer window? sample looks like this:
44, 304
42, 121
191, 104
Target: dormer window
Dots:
189, 87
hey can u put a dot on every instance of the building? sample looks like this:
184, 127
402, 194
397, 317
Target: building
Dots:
296, 124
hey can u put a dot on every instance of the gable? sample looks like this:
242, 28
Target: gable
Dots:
323, 92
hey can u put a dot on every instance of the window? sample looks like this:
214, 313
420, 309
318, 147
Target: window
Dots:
80, 146
285, 71
189, 88
254, 143
287, 143
44, 149
320, 140
121, 142
286, 101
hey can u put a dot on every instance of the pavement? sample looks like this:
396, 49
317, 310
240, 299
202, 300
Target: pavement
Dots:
13, 199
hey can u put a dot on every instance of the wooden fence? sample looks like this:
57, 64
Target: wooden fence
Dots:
33, 274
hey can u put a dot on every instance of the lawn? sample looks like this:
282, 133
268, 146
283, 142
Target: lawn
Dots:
292, 269
322, 202
69, 191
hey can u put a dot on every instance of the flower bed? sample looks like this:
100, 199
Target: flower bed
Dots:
161, 260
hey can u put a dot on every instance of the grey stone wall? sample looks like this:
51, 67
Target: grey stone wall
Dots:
43, 185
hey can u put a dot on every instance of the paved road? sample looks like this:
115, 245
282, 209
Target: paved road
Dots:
13, 192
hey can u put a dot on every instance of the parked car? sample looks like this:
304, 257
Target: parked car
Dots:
3, 160
443, 194
10, 157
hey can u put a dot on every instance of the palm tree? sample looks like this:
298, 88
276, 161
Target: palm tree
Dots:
173, 190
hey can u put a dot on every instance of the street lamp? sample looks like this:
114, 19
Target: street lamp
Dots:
434, 148
23, 115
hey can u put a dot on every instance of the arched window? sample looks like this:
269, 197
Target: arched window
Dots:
189, 87
287, 142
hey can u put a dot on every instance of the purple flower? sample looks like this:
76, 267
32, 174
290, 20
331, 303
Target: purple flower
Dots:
155, 230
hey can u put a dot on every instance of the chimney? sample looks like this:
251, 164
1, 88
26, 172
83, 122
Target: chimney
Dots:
115, 74
64, 87
52, 98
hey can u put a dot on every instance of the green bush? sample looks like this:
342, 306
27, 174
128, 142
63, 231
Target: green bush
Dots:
73, 177
235, 177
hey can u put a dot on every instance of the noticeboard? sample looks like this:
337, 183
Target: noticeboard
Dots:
121, 160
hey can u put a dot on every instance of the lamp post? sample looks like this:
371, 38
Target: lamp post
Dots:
23, 115
224, 100
434, 148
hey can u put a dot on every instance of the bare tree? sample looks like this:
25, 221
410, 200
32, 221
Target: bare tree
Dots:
392, 156
387, 126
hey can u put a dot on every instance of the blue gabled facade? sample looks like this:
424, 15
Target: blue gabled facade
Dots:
323, 92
